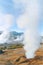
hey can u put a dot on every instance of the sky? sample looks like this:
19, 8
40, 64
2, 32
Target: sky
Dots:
10, 10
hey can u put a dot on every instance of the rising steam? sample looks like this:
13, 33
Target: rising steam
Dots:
29, 21
7, 20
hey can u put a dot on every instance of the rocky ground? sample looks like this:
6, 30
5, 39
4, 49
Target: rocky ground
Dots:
17, 57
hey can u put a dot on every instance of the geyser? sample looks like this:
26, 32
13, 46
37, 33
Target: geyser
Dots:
29, 22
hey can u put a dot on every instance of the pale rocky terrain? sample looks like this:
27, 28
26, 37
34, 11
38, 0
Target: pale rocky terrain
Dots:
17, 57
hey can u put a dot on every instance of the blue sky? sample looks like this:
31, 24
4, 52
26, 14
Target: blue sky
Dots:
9, 7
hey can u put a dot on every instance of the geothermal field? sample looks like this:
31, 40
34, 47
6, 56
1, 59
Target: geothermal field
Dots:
17, 57
21, 25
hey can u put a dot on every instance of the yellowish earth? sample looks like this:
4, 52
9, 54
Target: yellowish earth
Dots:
17, 57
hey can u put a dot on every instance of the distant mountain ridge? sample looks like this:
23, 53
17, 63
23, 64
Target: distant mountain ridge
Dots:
16, 33
12, 37
13, 32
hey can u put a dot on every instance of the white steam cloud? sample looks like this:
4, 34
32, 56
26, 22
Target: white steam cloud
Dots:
29, 21
5, 24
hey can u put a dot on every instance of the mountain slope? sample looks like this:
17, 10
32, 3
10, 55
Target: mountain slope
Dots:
11, 37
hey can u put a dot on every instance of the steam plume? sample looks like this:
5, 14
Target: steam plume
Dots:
7, 20
29, 21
